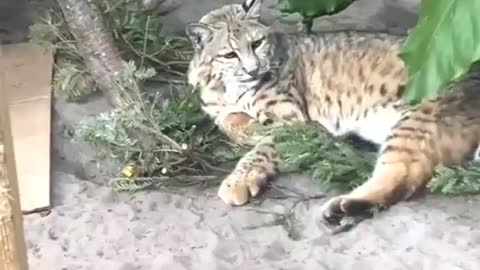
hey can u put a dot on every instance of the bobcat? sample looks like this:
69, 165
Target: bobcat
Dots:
349, 82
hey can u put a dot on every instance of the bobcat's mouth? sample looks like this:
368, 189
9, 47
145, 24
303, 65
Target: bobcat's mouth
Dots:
257, 76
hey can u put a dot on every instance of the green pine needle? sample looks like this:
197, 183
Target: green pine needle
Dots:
164, 137
331, 161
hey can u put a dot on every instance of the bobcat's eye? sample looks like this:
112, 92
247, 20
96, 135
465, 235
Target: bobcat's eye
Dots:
230, 55
257, 43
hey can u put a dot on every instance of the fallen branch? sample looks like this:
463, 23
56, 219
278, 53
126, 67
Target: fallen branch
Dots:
95, 45
285, 219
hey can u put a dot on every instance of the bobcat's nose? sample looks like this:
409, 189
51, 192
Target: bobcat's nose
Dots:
251, 65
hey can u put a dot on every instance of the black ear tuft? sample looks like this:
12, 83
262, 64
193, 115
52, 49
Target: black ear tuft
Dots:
252, 7
247, 4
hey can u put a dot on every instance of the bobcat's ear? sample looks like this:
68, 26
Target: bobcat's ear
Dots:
199, 34
252, 7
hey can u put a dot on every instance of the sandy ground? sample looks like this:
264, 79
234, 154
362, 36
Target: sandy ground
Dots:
90, 227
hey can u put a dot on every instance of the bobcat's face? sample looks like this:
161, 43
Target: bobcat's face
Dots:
242, 51
232, 43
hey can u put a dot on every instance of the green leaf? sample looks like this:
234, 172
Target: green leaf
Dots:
441, 47
313, 8
310, 9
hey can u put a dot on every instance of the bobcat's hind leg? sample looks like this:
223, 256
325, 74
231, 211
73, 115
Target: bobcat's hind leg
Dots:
442, 131
392, 181
404, 166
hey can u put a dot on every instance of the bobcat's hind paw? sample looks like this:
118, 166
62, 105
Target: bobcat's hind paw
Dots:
337, 208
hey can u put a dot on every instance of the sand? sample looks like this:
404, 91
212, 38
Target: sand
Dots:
91, 227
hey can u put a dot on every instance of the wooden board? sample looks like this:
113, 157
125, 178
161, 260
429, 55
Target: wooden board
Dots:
28, 73
13, 254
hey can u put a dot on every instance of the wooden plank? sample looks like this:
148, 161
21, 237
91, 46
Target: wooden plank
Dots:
12, 244
28, 75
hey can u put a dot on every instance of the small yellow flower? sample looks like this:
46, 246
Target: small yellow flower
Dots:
128, 170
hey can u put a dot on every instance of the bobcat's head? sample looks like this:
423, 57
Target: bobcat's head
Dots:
230, 42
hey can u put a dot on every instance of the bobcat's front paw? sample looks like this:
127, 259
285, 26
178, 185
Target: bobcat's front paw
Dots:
335, 209
237, 125
237, 188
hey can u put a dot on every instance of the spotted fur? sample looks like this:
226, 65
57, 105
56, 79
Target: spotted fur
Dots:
349, 82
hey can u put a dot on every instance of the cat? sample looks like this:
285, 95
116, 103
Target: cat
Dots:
350, 82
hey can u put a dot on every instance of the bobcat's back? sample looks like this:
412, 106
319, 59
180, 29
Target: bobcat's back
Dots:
349, 79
